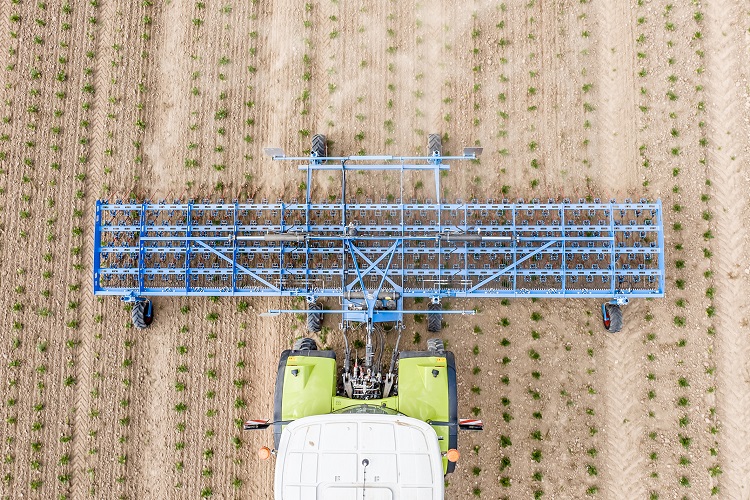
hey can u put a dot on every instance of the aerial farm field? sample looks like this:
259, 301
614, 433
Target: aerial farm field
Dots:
160, 99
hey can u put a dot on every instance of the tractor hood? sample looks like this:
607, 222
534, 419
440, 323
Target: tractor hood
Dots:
355, 456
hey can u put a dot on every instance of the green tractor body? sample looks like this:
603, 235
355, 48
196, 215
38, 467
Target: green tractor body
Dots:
306, 385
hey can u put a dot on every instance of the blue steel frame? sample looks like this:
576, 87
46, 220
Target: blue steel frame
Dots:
370, 256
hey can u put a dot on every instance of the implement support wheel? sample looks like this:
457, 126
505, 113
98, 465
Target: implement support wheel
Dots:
612, 317
314, 319
142, 313
434, 318
319, 148
434, 143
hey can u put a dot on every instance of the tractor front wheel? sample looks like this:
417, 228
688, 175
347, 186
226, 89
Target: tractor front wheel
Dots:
142, 313
612, 317
305, 344
436, 346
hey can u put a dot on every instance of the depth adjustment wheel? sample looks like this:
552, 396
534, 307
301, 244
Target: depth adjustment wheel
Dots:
434, 317
315, 319
142, 313
305, 344
319, 148
612, 317
434, 143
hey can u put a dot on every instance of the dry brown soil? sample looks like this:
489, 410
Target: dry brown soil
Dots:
122, 99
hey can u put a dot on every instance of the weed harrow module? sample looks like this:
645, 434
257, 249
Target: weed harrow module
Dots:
370, 255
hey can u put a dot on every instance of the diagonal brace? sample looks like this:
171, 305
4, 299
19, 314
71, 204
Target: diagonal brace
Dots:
513, 265
238, 266
356, 270
374, 264
371, 304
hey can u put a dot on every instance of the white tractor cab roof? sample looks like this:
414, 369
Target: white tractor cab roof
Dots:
354, 456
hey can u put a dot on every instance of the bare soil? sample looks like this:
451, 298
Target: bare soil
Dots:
116, 99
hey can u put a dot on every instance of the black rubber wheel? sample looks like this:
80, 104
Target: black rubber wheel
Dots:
142, 314
436, 346
434, 318
319, 148
305, 344
315, 320
434, 143
615, 318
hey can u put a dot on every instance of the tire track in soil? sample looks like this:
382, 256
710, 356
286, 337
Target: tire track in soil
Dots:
320, 56
275, 92
148, 465
164, 73
551, 135
81, 459
728, 204
153, 468
376, 98
167, 139
625, 472
618, 156
285, 48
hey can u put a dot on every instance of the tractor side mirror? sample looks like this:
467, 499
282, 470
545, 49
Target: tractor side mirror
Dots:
254, 425
470, 424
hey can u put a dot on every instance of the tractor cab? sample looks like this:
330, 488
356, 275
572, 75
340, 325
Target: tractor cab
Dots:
363, 451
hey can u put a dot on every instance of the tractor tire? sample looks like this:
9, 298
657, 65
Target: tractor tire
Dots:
434, 143
319, 148
315, 319
615, 318
436, 346
435, 318
142, 314
305, 344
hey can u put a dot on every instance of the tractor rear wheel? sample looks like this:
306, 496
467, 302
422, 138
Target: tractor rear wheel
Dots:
614, 313
142, 313
434, 143
436, 346
305, 344
434, 318
314, 319
319, 145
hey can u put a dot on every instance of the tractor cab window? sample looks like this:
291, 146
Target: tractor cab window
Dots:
371, 409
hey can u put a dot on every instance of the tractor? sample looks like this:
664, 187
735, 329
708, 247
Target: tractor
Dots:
370, 431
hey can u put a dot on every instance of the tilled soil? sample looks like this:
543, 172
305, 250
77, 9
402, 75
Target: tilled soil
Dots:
117, 99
